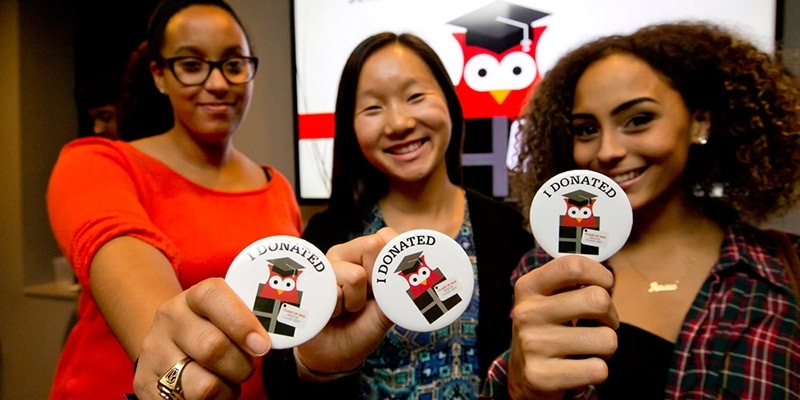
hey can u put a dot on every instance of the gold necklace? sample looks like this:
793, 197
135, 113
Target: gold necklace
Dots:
655, 286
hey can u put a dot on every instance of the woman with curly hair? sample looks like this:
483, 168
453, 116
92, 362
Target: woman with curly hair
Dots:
701, 130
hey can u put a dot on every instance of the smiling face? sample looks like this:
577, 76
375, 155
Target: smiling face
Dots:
213, 110
631, 125
401, 118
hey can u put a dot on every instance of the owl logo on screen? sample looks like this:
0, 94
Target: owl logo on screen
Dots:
280, 289
579, 217
499, 59
424, 287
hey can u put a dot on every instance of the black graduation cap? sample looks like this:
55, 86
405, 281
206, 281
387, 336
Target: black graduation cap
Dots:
410, 262
579, 197
285, 266
499, 26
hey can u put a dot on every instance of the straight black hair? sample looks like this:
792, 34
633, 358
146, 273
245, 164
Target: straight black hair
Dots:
356, 184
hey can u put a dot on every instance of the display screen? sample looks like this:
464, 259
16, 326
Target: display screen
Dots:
494, 51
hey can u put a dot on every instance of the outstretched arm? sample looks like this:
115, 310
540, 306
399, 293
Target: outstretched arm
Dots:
209, 323
358, 325
551, 350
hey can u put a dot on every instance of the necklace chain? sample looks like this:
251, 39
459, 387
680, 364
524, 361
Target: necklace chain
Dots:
656, 286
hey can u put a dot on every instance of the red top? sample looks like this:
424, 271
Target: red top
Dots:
101, 189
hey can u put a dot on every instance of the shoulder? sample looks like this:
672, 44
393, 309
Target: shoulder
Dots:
771, 253
95, 146
93, 158
760, 243
98, 156
277, 178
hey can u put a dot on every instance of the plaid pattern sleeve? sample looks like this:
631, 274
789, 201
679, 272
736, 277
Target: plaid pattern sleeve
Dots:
531, 260
495, 386
740, 338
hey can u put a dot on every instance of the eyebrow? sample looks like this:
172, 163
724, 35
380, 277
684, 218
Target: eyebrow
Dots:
620, 108
404, 85
229, 51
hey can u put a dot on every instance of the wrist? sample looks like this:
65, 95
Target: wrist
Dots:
311, 375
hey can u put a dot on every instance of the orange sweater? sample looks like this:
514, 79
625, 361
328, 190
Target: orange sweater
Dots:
101, 189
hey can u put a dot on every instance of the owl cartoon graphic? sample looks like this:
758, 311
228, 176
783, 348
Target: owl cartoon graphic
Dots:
277, 292
500, 69
579, 216
425, 285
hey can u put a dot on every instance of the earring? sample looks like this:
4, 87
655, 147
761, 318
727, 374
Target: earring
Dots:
702, 140
162, 91
717, 190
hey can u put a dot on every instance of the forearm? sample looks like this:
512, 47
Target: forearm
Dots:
130, 279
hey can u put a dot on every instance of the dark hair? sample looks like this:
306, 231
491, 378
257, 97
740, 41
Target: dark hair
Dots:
102, 90
165, 10
751, 99
142, 111
357, 184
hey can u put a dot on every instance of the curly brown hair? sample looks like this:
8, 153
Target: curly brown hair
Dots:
751, 98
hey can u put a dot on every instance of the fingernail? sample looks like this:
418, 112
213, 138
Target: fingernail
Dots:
258, 345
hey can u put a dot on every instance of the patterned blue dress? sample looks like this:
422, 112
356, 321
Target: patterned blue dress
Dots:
442, 364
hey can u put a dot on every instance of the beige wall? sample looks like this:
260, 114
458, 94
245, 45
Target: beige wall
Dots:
791, 44
37, 117
10, 203
36, 74
267, 132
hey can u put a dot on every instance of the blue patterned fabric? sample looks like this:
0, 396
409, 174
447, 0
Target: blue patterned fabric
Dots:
442, 364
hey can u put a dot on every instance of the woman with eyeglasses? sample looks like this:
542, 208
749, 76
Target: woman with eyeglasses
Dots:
141, 221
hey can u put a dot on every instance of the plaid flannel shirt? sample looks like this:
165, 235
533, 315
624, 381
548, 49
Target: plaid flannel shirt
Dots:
740, 338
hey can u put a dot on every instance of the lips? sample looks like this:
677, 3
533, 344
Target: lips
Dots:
630, 175
405, 148
216, 107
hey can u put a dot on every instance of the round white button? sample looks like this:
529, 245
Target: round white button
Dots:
581, 212
290, 286
423, 280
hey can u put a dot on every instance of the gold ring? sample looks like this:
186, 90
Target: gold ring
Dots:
169, 386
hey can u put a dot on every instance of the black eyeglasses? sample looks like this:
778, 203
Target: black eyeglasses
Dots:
194, 71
